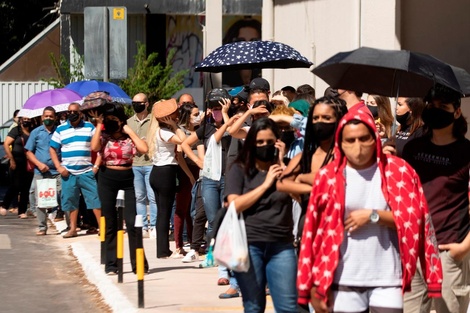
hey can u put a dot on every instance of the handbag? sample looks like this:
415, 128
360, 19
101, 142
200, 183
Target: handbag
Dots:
29, 164
231, 246
46, 192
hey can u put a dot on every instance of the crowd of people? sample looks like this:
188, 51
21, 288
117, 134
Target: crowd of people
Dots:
347, 206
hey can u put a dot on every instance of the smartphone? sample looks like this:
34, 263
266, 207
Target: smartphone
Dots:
276, 155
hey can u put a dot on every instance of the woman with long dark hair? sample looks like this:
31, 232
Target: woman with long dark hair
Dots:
118, 144
322, 122
20, 177
268, 220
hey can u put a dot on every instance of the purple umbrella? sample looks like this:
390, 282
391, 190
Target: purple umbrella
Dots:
59, 99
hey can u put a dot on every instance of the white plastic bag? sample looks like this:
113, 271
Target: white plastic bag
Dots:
231, 246
46, 192
212, 168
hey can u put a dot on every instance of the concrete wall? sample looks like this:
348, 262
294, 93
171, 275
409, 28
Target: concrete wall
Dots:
320, 29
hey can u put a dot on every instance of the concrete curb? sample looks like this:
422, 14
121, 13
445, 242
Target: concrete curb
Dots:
111, 294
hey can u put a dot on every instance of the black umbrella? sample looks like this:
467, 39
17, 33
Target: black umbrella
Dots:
250, 55
391, 73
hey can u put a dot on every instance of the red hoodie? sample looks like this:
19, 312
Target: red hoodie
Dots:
324, 228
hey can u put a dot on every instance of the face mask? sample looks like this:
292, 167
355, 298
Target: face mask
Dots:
73, 117
138, 107
265, 153
436, 118
196, 120
288, 138
374, 110
48, 122
217, 115
111, 126
323, 130
403, 119
26, 124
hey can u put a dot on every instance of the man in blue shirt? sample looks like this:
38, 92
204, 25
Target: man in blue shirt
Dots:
37, 151
73, 140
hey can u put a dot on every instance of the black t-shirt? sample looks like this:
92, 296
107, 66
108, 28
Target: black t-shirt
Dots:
18, 144
270, 218
404, 136
444, 174
210, 129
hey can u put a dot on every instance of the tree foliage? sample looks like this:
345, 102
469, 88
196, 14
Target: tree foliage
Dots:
66, 72
157, 81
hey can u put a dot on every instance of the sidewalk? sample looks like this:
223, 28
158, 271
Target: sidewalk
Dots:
171, 286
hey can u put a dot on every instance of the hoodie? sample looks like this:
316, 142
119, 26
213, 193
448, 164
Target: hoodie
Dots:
324, 228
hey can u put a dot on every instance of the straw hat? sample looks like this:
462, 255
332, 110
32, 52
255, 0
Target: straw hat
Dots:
164, 108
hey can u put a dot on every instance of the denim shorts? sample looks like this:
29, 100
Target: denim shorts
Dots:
73, 185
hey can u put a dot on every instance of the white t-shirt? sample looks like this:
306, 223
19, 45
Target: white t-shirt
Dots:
164, 150
369, 256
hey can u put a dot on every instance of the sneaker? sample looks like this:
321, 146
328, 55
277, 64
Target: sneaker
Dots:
153, 232
145, 233
187, 247
191, 256
178, 254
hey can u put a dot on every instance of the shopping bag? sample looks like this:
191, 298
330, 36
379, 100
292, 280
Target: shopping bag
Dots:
231, 246
46, 193
212, 167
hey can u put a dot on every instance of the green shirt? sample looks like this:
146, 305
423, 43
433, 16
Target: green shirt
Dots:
140, 127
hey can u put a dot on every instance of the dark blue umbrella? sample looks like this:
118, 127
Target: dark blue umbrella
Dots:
85, 87
250, 55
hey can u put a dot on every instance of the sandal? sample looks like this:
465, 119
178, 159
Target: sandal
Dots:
70, 235
41, 233
23, 216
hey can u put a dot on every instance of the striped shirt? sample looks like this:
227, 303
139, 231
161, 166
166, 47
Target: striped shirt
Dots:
75, 146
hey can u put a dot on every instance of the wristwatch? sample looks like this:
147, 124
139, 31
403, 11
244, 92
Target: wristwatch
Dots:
374, 217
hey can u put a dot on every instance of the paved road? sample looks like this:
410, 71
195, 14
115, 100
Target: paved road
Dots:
40, 274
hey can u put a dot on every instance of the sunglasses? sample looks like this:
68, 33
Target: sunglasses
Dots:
72, 111
139, 102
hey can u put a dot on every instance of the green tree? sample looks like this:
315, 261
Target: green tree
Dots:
66, 72
157, 81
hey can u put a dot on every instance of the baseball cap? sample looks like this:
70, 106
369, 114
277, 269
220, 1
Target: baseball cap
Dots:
239, 92
215, 95
259, 83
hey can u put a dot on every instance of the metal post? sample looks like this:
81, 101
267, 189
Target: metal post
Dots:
139, 223
106, 45
120, 234
102, 239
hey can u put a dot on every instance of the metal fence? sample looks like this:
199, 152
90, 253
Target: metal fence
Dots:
14, 94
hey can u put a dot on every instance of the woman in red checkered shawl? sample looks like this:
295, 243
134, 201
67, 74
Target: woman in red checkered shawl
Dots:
366, 226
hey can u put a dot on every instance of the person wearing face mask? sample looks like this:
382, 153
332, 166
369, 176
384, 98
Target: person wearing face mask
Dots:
297, 178
188, 173
408, 115
37, 151
20, 177
163, 137
441, 159
251, 186
118, 144
361, 242
142, 166
381, 110
73, 140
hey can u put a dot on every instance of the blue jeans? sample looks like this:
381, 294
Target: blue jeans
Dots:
212, 192
144, 192
273, 264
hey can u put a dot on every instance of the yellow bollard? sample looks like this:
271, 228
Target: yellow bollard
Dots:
102, 239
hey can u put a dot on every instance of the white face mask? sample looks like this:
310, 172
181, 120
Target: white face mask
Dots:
196, 120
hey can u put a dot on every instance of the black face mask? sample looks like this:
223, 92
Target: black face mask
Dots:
288, 138
436, 118
265, 153
73, 117
138, 107
403, 119
323, 130
374, 110
111, 126
26, 124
